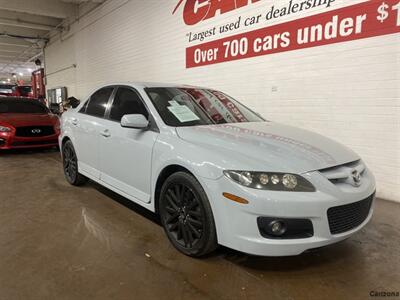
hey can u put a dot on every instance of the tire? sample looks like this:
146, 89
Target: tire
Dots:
70, 165
186, 215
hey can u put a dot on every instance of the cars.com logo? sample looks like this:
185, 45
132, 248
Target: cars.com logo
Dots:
195, 11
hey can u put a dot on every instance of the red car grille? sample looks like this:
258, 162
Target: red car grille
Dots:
36, 143
34, 131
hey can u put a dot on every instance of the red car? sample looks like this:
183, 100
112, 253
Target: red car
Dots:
27, 124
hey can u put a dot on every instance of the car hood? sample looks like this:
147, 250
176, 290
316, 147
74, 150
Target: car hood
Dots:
19, 120
269, 146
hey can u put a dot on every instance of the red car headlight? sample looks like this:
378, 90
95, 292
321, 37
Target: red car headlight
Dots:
5, 129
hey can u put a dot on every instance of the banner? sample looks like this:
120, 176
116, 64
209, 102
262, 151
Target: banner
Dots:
360, 21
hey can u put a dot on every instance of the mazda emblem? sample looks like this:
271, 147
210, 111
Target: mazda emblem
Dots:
356, 177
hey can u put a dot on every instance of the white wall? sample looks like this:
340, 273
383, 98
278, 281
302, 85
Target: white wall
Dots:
348, 91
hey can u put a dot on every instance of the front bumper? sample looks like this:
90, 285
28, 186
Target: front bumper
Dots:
9, 141
237, 226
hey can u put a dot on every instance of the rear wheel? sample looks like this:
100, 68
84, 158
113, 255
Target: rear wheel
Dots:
70, 165
186, 215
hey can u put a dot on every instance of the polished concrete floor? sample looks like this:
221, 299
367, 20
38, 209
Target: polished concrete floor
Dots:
61, 242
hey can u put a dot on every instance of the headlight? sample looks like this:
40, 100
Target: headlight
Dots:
271, 181
4, 129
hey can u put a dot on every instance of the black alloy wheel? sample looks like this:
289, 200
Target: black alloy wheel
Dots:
186, 215
70, 164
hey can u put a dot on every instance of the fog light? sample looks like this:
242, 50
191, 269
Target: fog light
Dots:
277, 228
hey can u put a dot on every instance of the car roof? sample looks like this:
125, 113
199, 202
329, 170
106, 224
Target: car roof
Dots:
149, 84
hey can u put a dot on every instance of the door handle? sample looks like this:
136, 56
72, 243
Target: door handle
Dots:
106, 133
74, 121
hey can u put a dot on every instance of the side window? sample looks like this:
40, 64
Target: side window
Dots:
126, 102
83, 109
98, 102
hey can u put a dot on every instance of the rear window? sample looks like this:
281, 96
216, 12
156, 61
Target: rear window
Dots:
25, 90
22, 107
7, 88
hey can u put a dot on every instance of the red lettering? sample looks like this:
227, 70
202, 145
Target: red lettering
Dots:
223, 6
195, 11
241, 3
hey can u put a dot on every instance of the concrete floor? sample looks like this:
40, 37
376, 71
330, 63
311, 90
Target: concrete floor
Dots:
60, 242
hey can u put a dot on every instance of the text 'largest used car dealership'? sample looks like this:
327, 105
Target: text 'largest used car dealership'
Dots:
200, 149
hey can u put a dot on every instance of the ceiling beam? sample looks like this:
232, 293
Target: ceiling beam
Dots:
50, 8
5, 64
25, 24
12, 57
32, 58
10, 50
14, 44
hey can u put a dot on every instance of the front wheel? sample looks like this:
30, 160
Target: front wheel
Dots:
70, 165
186, 215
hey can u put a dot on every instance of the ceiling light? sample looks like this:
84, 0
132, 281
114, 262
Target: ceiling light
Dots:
21, 74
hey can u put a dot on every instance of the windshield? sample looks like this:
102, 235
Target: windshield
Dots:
22, 107
190, 107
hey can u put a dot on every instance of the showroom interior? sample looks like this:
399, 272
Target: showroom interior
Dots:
278, 120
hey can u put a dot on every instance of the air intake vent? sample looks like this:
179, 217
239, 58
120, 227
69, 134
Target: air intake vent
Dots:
347, 217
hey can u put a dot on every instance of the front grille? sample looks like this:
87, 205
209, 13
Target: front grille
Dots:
345, 174
347, 217
35, 143
34, 131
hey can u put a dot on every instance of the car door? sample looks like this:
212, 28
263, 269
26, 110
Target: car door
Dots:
88, 123
126, 153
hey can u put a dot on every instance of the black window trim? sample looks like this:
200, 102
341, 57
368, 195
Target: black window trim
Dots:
84, 107
87, 102
152, 122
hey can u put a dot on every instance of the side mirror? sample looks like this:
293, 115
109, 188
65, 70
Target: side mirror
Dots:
135, 121
73, 102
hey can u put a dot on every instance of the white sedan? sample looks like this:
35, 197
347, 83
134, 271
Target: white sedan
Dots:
215, 171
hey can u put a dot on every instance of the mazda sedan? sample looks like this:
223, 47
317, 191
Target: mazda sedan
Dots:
216, 172
26, 123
